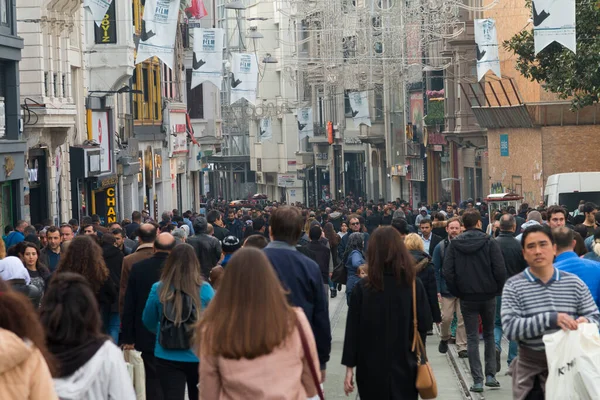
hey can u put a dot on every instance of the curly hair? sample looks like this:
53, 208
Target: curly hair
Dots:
84, 257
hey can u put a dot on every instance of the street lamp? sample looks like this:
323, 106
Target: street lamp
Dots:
253, 33
269, 59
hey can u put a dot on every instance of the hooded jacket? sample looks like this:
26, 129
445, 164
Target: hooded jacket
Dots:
426, 273
474, 267
23, 370
104, 376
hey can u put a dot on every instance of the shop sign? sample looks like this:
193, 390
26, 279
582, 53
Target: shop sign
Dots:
436, 138
352, 140
286, 180
321, 156
301, 174
108, 181
101, 135
111, 205
398, 170
504, 145
106, 33
437, 147
9, 166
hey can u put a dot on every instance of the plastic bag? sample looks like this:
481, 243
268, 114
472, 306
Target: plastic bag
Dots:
573, 364
134, 358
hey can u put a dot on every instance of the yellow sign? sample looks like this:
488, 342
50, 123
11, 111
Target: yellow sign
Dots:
111, 204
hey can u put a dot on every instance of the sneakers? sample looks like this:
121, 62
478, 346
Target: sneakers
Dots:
463, 354
498, 361
491, 381
333, 293
477, 387
443, 347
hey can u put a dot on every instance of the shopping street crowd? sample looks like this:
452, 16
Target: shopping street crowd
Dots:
232, 302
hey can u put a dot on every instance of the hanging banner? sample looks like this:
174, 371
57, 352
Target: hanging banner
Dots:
244, 77
305, 122
106, 33
266, 129
98, 8
196, 9
207, 64
554, 21
159, 28
359, 102
486, 41
101, 135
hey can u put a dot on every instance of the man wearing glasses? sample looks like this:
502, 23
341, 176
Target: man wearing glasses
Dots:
355, 226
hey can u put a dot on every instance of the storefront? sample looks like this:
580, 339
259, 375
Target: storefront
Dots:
37, 174
12, 173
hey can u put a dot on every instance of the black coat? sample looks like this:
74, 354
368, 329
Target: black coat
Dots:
378, 340
435, 240
221, 233
113, 257
208, 250
474, 267
426, 273
322, 256
512, 253
143, 275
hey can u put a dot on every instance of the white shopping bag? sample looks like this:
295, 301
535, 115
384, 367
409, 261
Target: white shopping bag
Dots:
573, 364
134, 358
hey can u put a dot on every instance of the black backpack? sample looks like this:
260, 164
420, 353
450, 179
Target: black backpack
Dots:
178, 337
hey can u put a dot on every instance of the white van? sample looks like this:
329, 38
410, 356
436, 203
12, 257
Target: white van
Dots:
568, 189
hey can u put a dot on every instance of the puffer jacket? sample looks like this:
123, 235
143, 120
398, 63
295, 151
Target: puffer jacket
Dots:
426, 272
23, 370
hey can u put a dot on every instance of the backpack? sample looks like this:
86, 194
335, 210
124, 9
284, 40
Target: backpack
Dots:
178, 337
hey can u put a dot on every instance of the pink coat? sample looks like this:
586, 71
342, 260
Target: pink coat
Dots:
282, 374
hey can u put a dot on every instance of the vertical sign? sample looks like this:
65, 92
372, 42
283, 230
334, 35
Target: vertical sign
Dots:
554, 21
504, 145
111, 204
106, 32
244, 77
486, 41
101, 134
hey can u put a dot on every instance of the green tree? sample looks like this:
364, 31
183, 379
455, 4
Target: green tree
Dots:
570, 75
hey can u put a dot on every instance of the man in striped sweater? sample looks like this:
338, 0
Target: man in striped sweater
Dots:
538, 301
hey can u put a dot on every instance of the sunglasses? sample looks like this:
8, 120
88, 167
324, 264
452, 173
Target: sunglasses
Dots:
354, 223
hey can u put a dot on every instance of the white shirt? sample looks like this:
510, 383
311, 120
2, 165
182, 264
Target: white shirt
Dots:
426, 242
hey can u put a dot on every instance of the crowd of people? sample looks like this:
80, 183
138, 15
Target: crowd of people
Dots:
246, 291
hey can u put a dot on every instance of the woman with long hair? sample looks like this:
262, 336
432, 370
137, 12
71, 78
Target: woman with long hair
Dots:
38, 272
251, 337
26, 366
172, 310
379, 327
356, 258
343, 230
84, 257
89, 365
334, 242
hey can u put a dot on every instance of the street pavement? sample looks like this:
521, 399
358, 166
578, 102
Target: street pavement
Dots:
451, 373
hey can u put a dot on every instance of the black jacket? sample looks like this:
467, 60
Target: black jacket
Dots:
512, 253
474, 267
143, 275
32, 292
113, 257
221, 233
426, 273
322, 256
208, 250
435, 240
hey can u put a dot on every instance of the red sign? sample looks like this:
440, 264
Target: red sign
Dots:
179, 128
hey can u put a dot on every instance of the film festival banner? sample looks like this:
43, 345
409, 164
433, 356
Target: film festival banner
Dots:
305, 123
266, 129
359, 102
207, 64
244, 77
486, 41
98, 8
159, 28
554, 21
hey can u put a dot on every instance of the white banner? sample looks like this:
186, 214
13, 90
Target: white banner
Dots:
359, 102
98, 8
266, 129
305, 123
207, 64
486, 40
244, 77
554, 21
159, 28
101, 135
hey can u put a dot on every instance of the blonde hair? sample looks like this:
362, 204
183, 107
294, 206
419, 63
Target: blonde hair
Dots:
412, 241
362, 268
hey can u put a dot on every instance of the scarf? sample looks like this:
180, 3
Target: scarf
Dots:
12, 268
72, 357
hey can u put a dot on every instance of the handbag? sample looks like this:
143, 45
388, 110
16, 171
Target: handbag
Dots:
311, 364
340, 274
425, 384
137, 372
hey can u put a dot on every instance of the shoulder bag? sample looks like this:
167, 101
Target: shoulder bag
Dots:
425, 384
309, 359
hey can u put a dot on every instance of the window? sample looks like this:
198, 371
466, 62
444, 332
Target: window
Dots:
195, 97
347, 106
349, 47
148, 104
379, 102
4, 9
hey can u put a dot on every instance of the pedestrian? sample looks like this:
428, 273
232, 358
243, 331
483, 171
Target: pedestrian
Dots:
300, 276
234, 225
113, 258
136, 221
255, 240
423, 213
230, 245
263, 352
533, 218
84, 257
355, 226
426, 273
172, 310
450, 304
38, 272
594, 253
475, 273
216, 275
355, 257
89, 365
142, 276
430, 239
589, 210
50, 255
14, 273
215, 219
208, 248
17, 235
334, 241
512, 253
343, 230
541, 300
379, 326
26, 366
322, 255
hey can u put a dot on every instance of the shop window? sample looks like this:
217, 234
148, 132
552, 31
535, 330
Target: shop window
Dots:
195, 97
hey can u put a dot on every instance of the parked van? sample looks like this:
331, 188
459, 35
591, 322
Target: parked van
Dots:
568, 189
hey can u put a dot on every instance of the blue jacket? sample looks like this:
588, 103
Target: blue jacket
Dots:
152, 316
438, 263
587, 270
13, 238
301, 276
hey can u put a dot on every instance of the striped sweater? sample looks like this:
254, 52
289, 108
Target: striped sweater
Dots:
530, 307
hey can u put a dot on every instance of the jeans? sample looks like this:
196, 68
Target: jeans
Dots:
114, 325
173, 377
513, 346
332, 285
471, 311
153, 387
